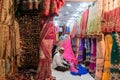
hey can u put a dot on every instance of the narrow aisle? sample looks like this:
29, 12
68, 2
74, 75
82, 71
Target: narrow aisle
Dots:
67, 76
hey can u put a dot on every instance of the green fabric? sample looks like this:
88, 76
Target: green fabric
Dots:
115, 58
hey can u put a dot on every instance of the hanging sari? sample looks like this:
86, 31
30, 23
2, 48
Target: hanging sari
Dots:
80, 51
93, 57
46, 42
100, 57
115, 58
83, 24
88, 52
108, 48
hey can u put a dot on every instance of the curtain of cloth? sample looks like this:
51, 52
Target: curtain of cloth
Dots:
93, 56
46, 43
83, 24
115, 57
108, 48
100, 57
9, 38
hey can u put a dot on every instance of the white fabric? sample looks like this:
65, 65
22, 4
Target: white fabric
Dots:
57, 60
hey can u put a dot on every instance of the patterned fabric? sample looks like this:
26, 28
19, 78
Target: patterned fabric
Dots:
108, 48
111, 20
115, 58
2, 69
29, 32
9, 38
93, 57
88, 52
94, 19
100, 57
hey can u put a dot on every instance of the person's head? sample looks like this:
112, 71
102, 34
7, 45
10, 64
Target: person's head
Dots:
61, 50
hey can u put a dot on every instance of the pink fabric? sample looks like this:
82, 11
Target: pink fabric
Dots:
68, 53
83, 24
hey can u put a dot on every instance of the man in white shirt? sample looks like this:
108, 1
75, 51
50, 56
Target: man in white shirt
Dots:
58, 62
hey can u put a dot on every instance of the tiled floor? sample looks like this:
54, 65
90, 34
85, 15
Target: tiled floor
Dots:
68, 76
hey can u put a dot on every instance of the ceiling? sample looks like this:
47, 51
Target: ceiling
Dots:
71, 11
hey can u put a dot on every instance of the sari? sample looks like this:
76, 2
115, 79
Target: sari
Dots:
100, 57
93, 57
47, 37
80, 50
108, 48
115, 58
88, 52
83, 24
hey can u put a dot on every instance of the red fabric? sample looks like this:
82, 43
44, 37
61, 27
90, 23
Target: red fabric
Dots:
83, 23
51, 7
111, 21
47, 33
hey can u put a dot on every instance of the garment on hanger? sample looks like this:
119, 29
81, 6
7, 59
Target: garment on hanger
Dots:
115, 57
88, 52
100, 57
92, 66
108, 48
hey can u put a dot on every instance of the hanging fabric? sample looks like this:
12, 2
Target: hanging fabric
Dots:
83, 24
92, 66
108, 48
115, 57
100, 57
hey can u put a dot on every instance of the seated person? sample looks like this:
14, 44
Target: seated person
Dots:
58, 62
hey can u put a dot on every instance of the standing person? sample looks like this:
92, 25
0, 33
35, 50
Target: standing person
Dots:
47, 38
58, 62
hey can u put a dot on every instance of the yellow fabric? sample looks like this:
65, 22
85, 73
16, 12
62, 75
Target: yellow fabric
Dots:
9, 37
108, 47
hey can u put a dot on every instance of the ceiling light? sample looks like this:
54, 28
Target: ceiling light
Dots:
68, 5
84, 5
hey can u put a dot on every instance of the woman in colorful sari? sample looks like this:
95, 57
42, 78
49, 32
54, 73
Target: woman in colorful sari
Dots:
47, 37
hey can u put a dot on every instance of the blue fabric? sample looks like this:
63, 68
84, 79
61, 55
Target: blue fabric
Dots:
81, 70
74, 73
